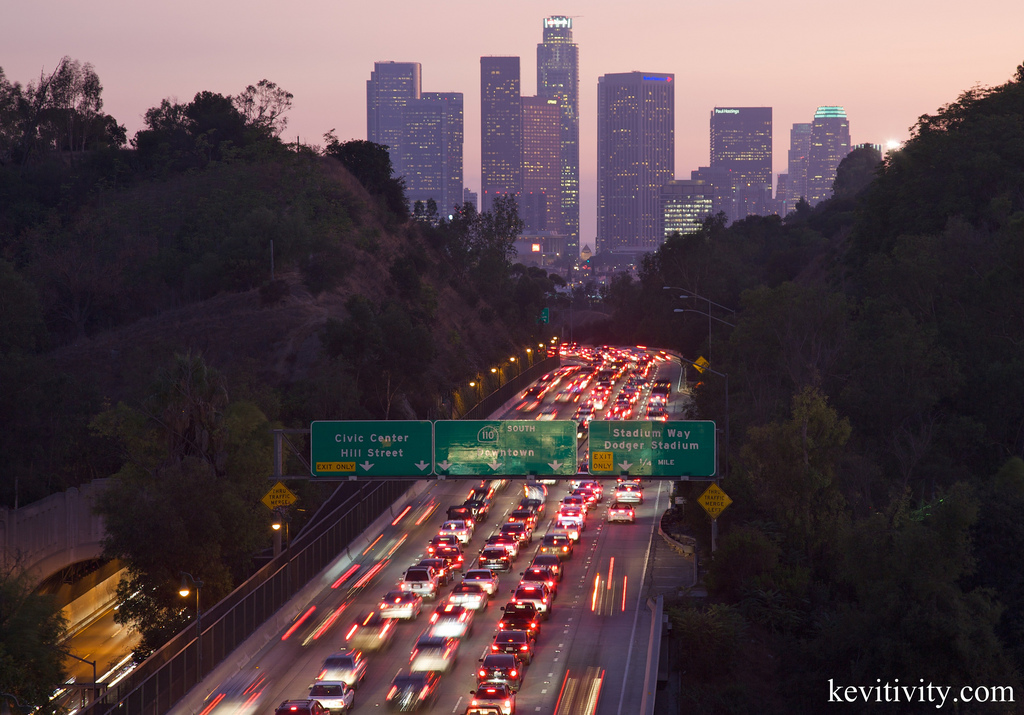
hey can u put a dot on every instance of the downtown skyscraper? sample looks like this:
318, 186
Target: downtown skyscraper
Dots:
741, 141
635, 157
501, 129
558, 78
799, 147
390, 87
540, 204
431, 148
829, 145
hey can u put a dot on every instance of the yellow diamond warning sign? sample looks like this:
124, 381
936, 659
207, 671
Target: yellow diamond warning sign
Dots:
714, 500
278, 496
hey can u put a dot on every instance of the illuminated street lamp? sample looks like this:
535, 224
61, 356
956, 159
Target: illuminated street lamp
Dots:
690, 294
185, 590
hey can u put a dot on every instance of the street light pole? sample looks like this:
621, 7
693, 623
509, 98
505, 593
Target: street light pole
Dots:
184, 591
688, 294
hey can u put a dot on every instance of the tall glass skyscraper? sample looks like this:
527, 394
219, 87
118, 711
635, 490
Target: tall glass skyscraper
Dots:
799, 146
390, 87
741, 141
635, 157
501, 129
830, 143
558, 78
540, 205
432, 149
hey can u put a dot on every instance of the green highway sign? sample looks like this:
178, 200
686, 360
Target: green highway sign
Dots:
652, 448
382, 448
506, 447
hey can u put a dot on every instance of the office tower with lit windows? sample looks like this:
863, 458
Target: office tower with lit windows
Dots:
558, 78
720, 182
829, 145
684, 206
741, 141
432, 149
799, 146
540, 205
635, 157
501, 129
390, 87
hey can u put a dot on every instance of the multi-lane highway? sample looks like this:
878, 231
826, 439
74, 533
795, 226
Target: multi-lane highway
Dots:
590, 654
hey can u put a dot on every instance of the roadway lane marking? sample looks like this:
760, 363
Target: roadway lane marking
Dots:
639, 595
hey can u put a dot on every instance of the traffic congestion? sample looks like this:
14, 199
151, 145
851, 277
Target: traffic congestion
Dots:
484, 583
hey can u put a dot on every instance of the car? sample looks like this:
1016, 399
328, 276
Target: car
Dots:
495, 694
566, 527
421, 581
301, 707
348, 667
495, 558
451, 621
413, 690
548, 413
535, 593
336, 696
520, 617
445, 575
629, 493
500, 668
400, 604
482, 492
557, 544
588, 495
458, 528
656, 412
542, 575
485, 578
507, 541
461, 513
574, 500
482, 709
594, 488
528, 405
534, 505
442, 540
519, 530
434, 653
470, 595
238, 695
481, 508
370, 632
551, 561
620, 511
452, 555
572, 515
524, 515
517, 643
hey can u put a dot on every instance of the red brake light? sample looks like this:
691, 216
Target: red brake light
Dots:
483, 673
323, 674
512, 673
524, 647
494, 646
533, 624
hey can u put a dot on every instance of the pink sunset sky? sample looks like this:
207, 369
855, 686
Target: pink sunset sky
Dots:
887, 62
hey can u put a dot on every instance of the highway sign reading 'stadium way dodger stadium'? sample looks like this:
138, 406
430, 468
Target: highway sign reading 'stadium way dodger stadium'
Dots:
651, 448
383, 448
507, 447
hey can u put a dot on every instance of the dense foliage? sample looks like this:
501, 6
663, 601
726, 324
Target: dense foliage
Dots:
876, 379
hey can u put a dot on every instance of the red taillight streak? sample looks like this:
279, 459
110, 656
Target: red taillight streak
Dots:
402, 515
373, 544
344, 576
624, 593
329, 622
351, 632
611, 568
298, 623
391, 693
213, 704
365, 578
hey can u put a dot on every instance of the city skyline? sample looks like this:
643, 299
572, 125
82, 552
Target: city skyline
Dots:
885, 71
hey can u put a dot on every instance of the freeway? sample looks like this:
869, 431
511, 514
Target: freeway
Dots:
590, 654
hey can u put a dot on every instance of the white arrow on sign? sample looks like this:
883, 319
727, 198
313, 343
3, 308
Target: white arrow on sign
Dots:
494, 465
422, 465
366, 465
445, 465
624, 466
554, 465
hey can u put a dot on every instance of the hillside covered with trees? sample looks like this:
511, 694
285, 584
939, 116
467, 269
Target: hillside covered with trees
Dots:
876, 410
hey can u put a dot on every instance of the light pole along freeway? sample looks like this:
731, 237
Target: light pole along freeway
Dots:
590, 655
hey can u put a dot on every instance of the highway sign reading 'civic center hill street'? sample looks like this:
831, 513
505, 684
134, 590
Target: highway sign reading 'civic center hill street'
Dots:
507, 447
385, 448
651, 448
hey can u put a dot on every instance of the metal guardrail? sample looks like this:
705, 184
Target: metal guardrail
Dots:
490, 404
168, 674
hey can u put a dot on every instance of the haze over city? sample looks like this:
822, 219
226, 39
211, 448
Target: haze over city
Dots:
885, 63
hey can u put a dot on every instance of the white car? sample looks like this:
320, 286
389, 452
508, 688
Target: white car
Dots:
485, 578
572, 515
459, 529
348, 668
566, 527
400, 604
434, 654
450, 621
470, 595
619, 511
336, 696
422, 581
629, 493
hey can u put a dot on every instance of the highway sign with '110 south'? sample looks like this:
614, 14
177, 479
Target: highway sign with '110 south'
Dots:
374, 448
652, 448
506, 447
